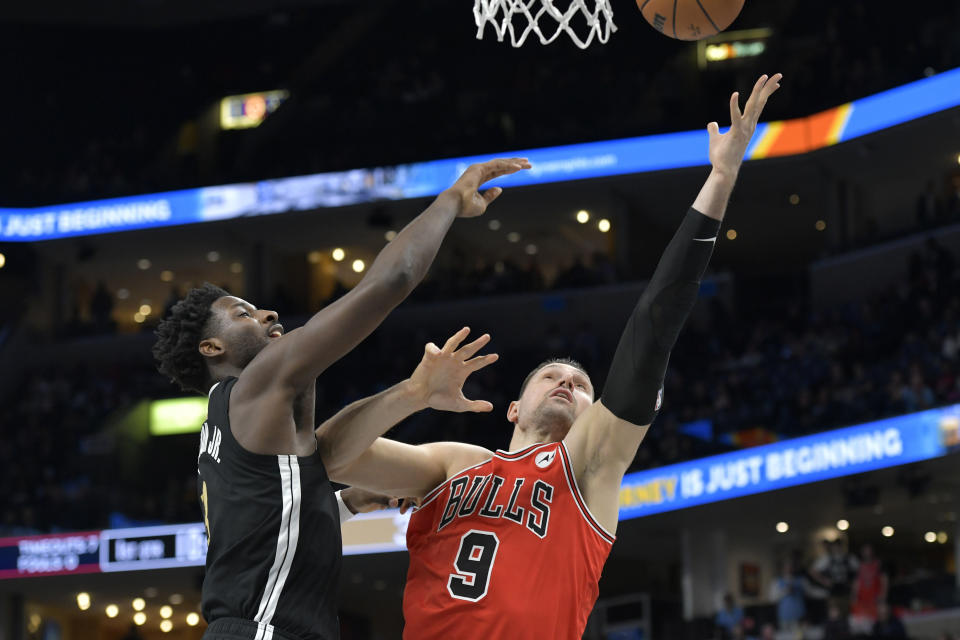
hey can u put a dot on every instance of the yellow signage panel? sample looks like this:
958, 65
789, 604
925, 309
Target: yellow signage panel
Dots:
177, 415
250, 109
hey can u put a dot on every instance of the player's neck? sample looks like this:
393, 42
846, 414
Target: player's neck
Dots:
523, 438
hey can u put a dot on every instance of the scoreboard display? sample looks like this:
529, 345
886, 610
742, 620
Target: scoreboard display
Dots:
50, 555
164, 547
153, 547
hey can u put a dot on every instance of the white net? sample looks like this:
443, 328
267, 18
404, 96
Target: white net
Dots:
582, 20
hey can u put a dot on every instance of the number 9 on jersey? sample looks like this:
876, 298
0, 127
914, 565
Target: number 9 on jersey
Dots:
473, 565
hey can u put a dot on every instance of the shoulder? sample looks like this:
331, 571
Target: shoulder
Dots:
457, 456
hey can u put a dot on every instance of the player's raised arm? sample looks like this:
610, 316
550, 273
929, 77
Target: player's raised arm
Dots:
296, 359
436, 383
604, 439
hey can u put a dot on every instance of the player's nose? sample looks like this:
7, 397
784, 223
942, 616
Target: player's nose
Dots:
268, 317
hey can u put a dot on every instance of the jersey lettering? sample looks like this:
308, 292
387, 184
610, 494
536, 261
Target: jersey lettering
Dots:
457, 488
533, 512
516, 516
210, 439
473, 496
486, 511
540, 501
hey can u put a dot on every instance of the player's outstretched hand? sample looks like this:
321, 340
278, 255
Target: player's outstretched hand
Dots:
467, 187
438, 379
727, 150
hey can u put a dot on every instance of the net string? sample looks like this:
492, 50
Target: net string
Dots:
500, 14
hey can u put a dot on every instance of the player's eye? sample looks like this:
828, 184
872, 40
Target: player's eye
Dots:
244, 313
582, 386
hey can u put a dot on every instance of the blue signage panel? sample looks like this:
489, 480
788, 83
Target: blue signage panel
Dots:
875, 445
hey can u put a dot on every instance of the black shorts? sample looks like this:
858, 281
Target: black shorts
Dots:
240, 629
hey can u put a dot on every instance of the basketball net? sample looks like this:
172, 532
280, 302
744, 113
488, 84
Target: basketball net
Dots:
501, 14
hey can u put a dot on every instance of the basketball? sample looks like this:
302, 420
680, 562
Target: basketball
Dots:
690, 19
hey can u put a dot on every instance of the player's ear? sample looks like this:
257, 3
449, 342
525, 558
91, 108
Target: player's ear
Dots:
211, 347
513, 412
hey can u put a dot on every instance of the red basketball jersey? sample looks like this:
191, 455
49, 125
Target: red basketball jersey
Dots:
505, 549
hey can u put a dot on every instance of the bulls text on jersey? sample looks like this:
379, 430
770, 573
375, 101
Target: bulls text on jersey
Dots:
488, 497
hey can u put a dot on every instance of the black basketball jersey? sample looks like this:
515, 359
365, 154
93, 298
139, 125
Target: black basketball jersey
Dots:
273, 530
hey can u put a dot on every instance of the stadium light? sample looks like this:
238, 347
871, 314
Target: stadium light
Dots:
338, 254
166, 611
930, 536
193, 619
143, 264
176, 598
359, 266
139, 604
731, 234
782, 527
112, 610
843, 525
213, 256
166, 275
603, 225
83, 600
236, 267
820, 225
3, 260
887, 531
942, 537
513, 236
139, 618
390, 235
583, 216
494, 225
166, 626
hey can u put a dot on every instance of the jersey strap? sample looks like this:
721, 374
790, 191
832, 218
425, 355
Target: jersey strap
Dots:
578, 497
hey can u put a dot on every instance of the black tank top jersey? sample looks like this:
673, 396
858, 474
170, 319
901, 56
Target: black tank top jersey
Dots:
274, 534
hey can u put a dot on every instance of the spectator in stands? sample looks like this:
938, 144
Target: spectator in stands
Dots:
837, 626
728, 617
101, 308
768, 632
888, 626
788, 591
869, 587
835, 569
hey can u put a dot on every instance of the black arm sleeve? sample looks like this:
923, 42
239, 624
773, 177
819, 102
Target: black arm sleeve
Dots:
634, 386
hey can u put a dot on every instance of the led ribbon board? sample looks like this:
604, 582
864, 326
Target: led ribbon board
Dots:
866, 447
551, 164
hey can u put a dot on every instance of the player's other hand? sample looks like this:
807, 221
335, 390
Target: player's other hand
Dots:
408, 503
727, 150
466, 189
438, 380
363, 501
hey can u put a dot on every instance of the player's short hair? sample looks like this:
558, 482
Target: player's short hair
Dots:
549, 361
179, 336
